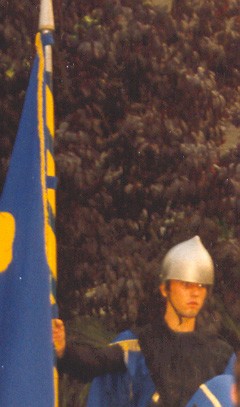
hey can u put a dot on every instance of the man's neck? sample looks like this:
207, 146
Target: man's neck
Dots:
179, 324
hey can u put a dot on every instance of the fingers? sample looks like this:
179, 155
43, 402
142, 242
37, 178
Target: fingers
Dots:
57, 323
58, 336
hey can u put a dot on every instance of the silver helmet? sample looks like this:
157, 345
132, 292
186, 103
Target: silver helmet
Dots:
188, 261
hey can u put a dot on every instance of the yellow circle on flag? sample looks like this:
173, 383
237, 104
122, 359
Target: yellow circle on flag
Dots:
7, 234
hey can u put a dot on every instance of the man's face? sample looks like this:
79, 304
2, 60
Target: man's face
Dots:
185, 298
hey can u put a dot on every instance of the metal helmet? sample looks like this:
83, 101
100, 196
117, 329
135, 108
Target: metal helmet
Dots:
188, 261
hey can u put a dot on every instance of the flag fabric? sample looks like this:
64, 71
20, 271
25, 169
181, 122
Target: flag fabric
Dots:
28, 248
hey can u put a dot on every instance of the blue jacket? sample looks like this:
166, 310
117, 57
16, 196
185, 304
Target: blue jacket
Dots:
133, 388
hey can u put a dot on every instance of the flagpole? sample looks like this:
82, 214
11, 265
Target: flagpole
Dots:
46, 28
46, 17
46, 25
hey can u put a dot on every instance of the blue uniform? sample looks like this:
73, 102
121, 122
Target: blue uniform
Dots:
133, 388
215, 392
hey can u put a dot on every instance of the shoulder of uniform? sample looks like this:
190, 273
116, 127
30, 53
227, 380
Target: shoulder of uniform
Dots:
128, 345
128, 341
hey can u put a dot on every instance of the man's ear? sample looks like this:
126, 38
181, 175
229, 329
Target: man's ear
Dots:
234, 394
163, 290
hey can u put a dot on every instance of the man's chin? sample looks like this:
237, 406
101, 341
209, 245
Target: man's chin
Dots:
190, 314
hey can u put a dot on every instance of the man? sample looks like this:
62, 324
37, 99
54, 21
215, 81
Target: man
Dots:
164, 362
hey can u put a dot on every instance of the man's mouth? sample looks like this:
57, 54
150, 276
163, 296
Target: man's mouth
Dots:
193, 304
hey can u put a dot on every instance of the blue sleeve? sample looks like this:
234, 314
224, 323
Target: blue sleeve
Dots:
230, 366
216, 391
132, 388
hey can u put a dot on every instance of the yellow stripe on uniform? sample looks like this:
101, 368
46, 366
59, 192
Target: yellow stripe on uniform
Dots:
215, 402
129, 345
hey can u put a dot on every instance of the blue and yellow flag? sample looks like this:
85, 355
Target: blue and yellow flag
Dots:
28, 251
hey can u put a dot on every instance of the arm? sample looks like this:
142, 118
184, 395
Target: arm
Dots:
84, 361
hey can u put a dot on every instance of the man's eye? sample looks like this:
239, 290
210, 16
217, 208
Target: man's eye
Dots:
188, 285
